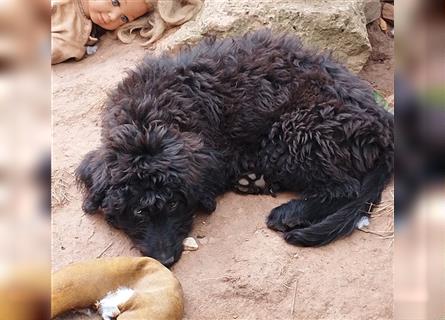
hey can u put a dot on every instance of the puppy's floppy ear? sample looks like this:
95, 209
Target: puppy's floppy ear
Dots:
156, 153
198, 155
206, 168
92, 176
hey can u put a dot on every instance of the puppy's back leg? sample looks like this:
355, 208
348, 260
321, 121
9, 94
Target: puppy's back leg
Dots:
302, 213
347, 216
305, 153
339, 223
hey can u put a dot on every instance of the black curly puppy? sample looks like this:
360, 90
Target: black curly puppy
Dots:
223, 115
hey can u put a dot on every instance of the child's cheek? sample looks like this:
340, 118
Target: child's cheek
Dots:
109, 26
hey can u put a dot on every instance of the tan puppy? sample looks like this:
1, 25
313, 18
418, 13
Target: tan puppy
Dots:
147, 289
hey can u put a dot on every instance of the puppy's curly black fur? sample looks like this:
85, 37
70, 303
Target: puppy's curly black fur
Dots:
181, 130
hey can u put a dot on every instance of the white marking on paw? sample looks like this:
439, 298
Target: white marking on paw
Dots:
108, 306
363, 222
260, 182
252, 176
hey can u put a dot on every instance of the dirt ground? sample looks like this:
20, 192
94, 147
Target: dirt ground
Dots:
242, 270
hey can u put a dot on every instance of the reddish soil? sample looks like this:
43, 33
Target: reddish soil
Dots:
242, 270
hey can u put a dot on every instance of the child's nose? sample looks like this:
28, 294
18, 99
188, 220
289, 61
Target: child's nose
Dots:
114, 14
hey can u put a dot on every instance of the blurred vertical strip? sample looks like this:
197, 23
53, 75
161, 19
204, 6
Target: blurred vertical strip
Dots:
420, 160
25, 133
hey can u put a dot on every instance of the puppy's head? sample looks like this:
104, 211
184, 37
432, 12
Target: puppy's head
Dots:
145, 179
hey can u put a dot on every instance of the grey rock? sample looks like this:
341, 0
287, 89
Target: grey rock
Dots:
373, 10
335, 25
388, 12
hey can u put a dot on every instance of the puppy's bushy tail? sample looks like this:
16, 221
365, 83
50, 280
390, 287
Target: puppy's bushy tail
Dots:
344, 220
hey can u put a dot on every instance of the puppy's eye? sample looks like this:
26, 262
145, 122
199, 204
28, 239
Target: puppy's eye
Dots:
138, 213
172, 205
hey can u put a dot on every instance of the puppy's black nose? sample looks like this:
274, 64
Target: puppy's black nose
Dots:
168, 262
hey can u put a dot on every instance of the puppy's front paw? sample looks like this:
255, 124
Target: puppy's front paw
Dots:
287, 216
208, 204
250, 184
89, 206
275, 220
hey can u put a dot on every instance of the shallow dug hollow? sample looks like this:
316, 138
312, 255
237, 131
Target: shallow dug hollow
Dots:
241, 270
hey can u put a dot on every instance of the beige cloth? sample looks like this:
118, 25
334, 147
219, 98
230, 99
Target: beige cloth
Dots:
70, 31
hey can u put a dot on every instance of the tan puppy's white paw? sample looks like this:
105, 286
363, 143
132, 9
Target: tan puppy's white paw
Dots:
108, 307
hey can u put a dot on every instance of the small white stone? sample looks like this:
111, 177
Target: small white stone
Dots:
190, 244
363, 222
91, 50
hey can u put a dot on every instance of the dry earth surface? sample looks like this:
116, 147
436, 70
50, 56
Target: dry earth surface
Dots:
242, 270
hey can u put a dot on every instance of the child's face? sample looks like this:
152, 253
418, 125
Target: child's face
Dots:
111, 14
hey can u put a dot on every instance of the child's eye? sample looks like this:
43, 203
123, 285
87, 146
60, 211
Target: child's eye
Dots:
124, 19
115, 3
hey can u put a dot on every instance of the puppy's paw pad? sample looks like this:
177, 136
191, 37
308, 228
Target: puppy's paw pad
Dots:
243, 182
250, 184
